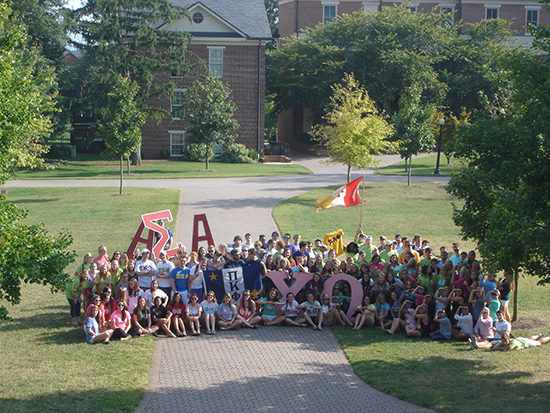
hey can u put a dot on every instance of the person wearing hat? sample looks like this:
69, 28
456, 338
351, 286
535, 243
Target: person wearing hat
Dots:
368, 248
145, 270
389, 251
383, 242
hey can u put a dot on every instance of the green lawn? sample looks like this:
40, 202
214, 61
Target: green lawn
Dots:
424, 166
89, 168
45, 363
441, 376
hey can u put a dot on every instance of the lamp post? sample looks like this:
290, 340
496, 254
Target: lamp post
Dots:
441, 123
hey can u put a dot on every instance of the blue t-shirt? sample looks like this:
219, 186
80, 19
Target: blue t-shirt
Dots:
93, 325
180, 278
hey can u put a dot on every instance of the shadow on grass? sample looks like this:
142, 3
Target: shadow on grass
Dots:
99, 400
34, 200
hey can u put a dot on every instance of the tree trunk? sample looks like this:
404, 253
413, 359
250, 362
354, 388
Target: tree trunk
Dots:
349, 173
409, 172
207, 153
136, 156
121, 173
128, 165
515, 313
448, 159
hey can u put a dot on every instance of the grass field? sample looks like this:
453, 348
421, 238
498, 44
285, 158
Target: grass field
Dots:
45, 363
90, 168
423, 166
442, 376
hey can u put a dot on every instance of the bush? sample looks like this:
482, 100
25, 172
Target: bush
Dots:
58, 151
236, 153
196, 153
165, 153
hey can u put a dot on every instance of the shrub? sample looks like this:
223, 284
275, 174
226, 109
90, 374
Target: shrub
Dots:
196, 153
236, 153
165, 153
58, 151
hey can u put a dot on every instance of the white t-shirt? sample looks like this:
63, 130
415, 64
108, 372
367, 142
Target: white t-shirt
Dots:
164, 268
147, 265
150, 297
197, 283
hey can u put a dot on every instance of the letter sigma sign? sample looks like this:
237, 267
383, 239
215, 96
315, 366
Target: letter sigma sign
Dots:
147, 221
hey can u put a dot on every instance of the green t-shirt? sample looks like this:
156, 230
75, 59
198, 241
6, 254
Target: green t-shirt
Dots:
368, 251
74, 285
385, 255
515, 343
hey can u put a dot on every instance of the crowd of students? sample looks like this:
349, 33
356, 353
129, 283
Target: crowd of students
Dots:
406, 286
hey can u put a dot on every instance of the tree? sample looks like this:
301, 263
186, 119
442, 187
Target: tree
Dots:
354, 130
505, 187
125, 38
27, 253
451, 131
209, 111
121, 122
389, 52
413, 125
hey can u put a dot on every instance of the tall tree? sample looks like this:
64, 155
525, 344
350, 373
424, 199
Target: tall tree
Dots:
354, 131
27, 252
209, 112
121, 122
505, 187
127, 38
413, 125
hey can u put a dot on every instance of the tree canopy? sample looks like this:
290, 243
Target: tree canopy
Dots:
27, 253
354, 131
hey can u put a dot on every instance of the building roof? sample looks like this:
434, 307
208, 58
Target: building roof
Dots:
248, 16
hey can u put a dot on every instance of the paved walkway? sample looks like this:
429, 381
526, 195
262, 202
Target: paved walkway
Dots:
284, 369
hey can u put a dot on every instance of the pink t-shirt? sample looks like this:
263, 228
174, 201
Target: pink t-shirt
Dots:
116, 318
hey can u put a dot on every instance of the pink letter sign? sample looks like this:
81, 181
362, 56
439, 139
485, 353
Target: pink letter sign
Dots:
278, 278
147, 222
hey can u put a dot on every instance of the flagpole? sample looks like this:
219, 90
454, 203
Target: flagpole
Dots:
362, 202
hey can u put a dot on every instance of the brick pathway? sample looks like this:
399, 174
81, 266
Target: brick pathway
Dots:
270, 369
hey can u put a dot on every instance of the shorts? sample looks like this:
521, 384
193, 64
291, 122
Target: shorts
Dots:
90, 341
270, 317
532, 343
292, 317
503, 303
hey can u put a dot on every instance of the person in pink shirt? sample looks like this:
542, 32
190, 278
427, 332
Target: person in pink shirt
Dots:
102, 257
121, 322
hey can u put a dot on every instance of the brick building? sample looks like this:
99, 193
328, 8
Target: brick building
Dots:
296, 15
230, 36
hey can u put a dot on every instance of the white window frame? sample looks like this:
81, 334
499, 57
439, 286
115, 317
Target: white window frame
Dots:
490, 8
215, 60
174, 105
370, 7
532, 9
329, 6
449, 11
172, 75
179, 135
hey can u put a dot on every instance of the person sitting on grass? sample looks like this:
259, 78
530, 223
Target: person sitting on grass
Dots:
162, 317
91, 328
507, 344
499, 328
423, 325
483, 331
141, 320
445, 330
405, 319
465, 324
364, 314
227, 314
121, 322
312, 312
382, 315
332, 313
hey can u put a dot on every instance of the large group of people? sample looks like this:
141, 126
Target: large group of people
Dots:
406, 287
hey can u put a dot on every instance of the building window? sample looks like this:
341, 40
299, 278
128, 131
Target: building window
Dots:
215, 61
177, 61
198, 17
532, 17
491, 13
177, 109
448, 13
177, 143
412, 9
329, 14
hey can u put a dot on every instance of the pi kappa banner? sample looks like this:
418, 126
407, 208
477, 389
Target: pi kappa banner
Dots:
234, 281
